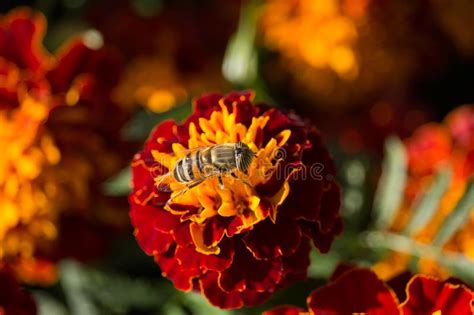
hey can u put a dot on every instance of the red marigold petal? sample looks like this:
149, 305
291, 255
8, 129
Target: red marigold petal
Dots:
427, 295
244, 109
162, 137
77, 58
164, 221
20, 39
434, 143
8, 98
214, 230
399, 284
321, 240
233, 226
182, 278
330, 205
356, 291
272, 185
269, 240
216, 296
190, 259
278, 121
227, 300
340, 270
296, 265
284, 310
182, 235
150, 239
296, 207
318, 182
204, 105
248, 273
253, 298
143, 184
461, 124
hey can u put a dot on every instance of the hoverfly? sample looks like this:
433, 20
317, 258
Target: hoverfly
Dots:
214, 160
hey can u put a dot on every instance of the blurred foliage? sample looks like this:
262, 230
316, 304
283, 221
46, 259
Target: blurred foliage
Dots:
240, 60
143, 122
389, 193
427, 205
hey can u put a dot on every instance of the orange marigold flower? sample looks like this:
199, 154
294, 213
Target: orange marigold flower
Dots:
53, 138
239, 244
347, 51
432, 147
326, 35
13, 299
359, 291
28, 187
177, 55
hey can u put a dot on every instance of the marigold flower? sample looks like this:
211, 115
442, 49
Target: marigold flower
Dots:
49, 105
239, 244
28, 188
359, 291
13, 299
326, 35
347, 51
177, 55
433, 146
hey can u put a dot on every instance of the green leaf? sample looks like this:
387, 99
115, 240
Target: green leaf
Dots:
389, 194
87, 288
199, 305
240, 59
459, 265
119, 185
140, 126
427, 205
323, 265
457, 217
72, 282
48, 305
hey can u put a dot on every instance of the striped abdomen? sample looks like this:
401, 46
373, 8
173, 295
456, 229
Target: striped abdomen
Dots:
203, 163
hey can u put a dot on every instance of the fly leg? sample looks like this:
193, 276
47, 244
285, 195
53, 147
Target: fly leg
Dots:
220, 181
185, 190
240, 179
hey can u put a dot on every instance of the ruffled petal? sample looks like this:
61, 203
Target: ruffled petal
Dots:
356, 291
270, 240
284, 310
248, 273
427, 295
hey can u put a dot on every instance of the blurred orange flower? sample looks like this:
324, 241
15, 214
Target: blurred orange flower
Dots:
432, 147
177, 54
359, 291
53, 137
325, 34
340, 53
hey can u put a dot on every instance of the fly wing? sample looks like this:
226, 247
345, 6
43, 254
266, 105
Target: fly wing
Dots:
182, 152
